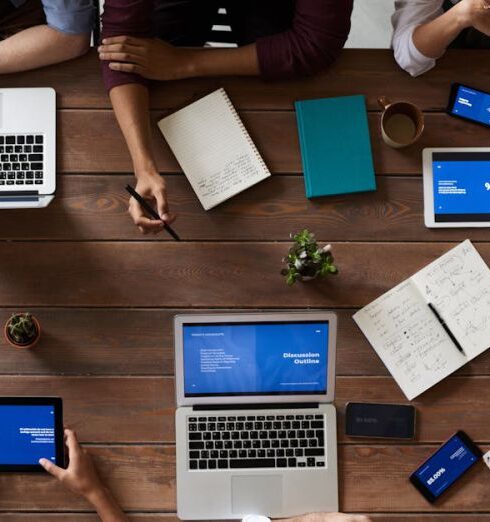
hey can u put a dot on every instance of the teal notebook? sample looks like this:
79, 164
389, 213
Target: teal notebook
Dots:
335, 146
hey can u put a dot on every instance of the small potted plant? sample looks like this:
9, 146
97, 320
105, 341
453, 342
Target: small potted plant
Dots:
306, 260
22, 330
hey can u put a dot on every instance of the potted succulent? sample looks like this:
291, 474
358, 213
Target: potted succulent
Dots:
22, 330
306, 260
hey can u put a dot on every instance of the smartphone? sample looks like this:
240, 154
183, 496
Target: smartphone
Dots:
446, 466
469, 104
394, 421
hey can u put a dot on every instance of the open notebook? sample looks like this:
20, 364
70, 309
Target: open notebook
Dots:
406, 333
214, 149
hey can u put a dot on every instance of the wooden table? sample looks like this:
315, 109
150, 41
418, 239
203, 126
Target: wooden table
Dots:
106, 295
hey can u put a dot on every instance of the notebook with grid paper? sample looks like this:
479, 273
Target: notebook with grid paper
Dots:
214, 149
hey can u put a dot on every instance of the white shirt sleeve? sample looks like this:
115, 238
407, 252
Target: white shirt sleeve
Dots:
408, 15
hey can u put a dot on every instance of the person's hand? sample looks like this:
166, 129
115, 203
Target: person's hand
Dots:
149, 57
152, 188
80, 476
329, 517
475, 13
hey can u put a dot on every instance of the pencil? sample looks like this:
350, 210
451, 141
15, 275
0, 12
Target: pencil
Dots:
151, 211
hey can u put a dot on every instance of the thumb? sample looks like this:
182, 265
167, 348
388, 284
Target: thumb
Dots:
51, 468
162, 206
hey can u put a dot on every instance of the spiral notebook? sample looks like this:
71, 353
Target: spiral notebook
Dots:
214, 149
419, 345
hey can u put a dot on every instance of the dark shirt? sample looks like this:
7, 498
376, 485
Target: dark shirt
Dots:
317, 33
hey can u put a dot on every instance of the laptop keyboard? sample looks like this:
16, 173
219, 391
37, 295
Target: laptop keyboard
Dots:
21, 159
257, 441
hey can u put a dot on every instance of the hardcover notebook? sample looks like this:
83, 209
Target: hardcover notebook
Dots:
408, 336
214, 149
335, 146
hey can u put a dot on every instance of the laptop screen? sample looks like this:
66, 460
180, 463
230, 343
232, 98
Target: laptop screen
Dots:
273, 358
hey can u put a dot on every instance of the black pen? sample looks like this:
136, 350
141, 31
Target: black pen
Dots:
446, 328
150, 211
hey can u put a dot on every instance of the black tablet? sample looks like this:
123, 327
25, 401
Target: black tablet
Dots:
30, 428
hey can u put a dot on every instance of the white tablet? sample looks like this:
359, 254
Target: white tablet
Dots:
457, 187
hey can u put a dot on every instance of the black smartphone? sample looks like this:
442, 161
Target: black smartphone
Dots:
440, 471
394, 421
469, 104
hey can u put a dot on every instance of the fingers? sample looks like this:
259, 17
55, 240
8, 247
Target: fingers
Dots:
121, 57
127, 67
71, 442
162, 206
52, 469
144, 224
130, 40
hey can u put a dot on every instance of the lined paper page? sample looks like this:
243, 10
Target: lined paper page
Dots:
213, 148
458, 284
409, 340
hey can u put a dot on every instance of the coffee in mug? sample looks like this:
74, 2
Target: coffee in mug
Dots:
402, 123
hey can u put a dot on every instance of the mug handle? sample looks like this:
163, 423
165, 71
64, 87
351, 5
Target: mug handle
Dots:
384, 102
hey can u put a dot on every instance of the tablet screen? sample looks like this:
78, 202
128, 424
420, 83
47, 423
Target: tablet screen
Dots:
29, 432
461, 186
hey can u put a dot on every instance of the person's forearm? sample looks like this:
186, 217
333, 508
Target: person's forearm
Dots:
106, 506
39, 46
433, 38
241, 61
131, 105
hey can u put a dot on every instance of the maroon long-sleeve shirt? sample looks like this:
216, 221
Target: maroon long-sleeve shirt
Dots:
318, 32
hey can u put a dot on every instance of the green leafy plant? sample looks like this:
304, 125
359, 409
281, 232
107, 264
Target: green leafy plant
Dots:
306, 260
22, 328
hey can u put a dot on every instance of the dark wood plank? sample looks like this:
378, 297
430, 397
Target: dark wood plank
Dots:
141, 409
82, 341
211, 274
95, 208
371, 72
274, 132
143, 479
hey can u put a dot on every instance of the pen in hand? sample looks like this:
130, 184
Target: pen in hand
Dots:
147, 207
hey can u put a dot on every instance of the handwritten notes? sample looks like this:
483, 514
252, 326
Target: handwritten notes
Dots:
407, 335
214, 149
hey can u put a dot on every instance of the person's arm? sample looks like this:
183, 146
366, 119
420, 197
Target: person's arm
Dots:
433, 38
82, 479
129, 96
317, 35
39, 46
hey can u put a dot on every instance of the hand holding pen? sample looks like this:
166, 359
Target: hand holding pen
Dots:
159, 220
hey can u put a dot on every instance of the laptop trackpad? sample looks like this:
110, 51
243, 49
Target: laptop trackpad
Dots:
256, 494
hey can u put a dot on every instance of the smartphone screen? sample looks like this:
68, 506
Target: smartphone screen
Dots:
445, 466
380, 420
469, 103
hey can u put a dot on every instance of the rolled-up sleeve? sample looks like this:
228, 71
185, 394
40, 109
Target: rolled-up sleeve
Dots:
70, 16
125, 18
409, 14
318, 33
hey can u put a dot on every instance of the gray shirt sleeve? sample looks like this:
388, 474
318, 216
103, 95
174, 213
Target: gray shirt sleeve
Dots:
70, 16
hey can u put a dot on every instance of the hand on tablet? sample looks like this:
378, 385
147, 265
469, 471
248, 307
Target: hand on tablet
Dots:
81, 477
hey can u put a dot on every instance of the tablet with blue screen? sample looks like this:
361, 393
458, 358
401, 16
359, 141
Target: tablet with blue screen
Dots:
457, 187
31, 428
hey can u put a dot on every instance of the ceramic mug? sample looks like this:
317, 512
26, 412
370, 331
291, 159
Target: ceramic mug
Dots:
402, 123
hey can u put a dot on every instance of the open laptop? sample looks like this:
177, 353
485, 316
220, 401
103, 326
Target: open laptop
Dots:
255, 423
27, 147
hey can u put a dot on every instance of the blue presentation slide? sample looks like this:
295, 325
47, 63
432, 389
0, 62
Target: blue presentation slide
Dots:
27, 433
461, 187
254, 359
446, 466
472, 104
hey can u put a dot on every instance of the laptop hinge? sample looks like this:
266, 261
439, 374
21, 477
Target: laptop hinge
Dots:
261, 406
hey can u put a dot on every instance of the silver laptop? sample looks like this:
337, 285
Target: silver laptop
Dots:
27, 147
255, 423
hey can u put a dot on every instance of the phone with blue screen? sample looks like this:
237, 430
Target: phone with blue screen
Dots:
469, 104
440, 471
